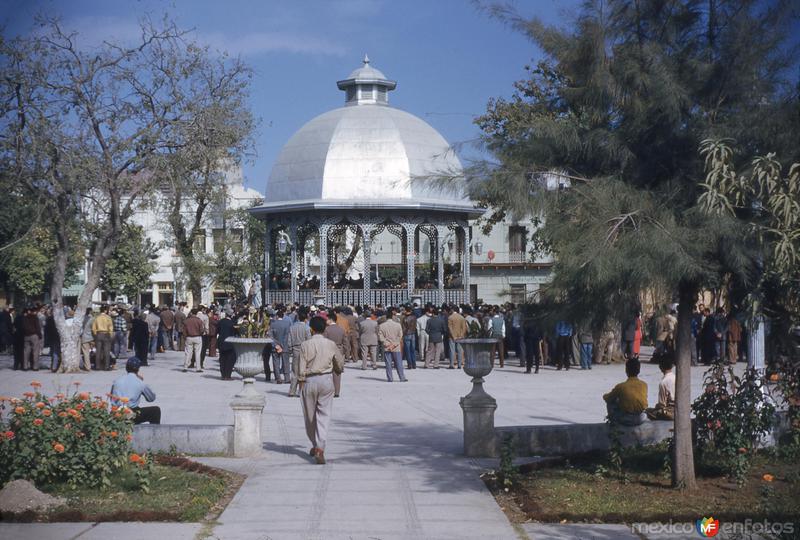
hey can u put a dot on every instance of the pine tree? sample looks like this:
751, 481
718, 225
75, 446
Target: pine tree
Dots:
618, 110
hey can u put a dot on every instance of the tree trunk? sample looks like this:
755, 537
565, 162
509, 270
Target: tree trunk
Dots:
683, 453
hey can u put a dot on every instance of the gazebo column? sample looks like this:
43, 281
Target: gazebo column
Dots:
267, 253
323, 260
441, 231
293, 246
466, 255
410, 229
366, 272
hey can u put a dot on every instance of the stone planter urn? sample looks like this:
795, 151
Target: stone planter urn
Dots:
478, 406
248, 360
248, 404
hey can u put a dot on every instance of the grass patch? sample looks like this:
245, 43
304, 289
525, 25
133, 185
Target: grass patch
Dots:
583, 490
180, 490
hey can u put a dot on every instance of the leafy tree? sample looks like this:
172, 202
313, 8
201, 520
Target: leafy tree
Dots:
129, 269
88, 134
602, 138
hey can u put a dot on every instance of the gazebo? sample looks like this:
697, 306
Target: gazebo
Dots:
354, 170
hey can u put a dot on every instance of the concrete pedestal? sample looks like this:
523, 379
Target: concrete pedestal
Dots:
479, 407
247, 408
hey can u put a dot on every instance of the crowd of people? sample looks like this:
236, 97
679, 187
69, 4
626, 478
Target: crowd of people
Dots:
310, 346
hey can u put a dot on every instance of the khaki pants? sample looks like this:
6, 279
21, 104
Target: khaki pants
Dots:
434, 354
86, 350
295, 369
422, 343
733, 351
353, 338
193, 345
32, 352
369, 351
317, 396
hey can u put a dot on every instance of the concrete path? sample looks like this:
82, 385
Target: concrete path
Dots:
394, 468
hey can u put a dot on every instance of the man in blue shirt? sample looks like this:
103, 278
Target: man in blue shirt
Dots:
132, 386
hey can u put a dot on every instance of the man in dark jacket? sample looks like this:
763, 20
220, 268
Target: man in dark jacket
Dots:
436, 328
227, 356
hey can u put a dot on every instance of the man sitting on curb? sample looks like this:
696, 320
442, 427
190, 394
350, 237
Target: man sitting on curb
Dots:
665, 408
132, 387
627, 402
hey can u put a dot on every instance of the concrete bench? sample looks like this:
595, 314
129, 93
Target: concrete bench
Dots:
570, 439
194, 439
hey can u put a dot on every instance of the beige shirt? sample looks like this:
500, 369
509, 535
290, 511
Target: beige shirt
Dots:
390, 334
317, 356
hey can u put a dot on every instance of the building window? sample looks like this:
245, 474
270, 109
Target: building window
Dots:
517, 241
233, 239
519, 293
351, 94
382, 94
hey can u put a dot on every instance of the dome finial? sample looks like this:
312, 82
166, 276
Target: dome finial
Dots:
366, 59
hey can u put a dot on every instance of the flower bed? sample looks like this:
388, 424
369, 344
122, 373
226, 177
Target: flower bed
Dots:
78, 439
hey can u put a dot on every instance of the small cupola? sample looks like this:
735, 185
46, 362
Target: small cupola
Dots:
366, 86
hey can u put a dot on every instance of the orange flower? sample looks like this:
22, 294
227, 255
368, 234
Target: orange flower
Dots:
62, 414
40, 405
136, 458
38, 422
20, 410
36, 384
47, 412
113, 434
124, 400
83, 395
768, 477
114, 408
28, 394
129, 437
79, 406
58, 447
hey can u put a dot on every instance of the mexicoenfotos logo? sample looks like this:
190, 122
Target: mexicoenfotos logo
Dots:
707, 527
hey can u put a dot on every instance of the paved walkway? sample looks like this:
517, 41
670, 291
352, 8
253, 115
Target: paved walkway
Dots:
394, 469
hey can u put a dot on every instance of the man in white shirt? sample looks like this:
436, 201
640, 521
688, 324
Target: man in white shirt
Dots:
665, 408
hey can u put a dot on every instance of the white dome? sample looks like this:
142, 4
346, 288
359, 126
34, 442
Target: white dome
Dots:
363, 152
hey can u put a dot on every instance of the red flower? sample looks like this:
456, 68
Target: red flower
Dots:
136, 458
40, 405
9, 435
20, 410
83, 395
38, 422
47, 412
58, 447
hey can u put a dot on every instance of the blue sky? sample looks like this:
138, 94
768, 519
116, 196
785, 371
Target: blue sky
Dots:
448, 56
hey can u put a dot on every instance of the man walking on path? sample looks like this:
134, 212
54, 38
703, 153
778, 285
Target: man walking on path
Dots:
180, 319
390, 334
319, 359
32, 332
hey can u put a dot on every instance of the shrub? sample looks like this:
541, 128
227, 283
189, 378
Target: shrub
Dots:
78, 439
732, 415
